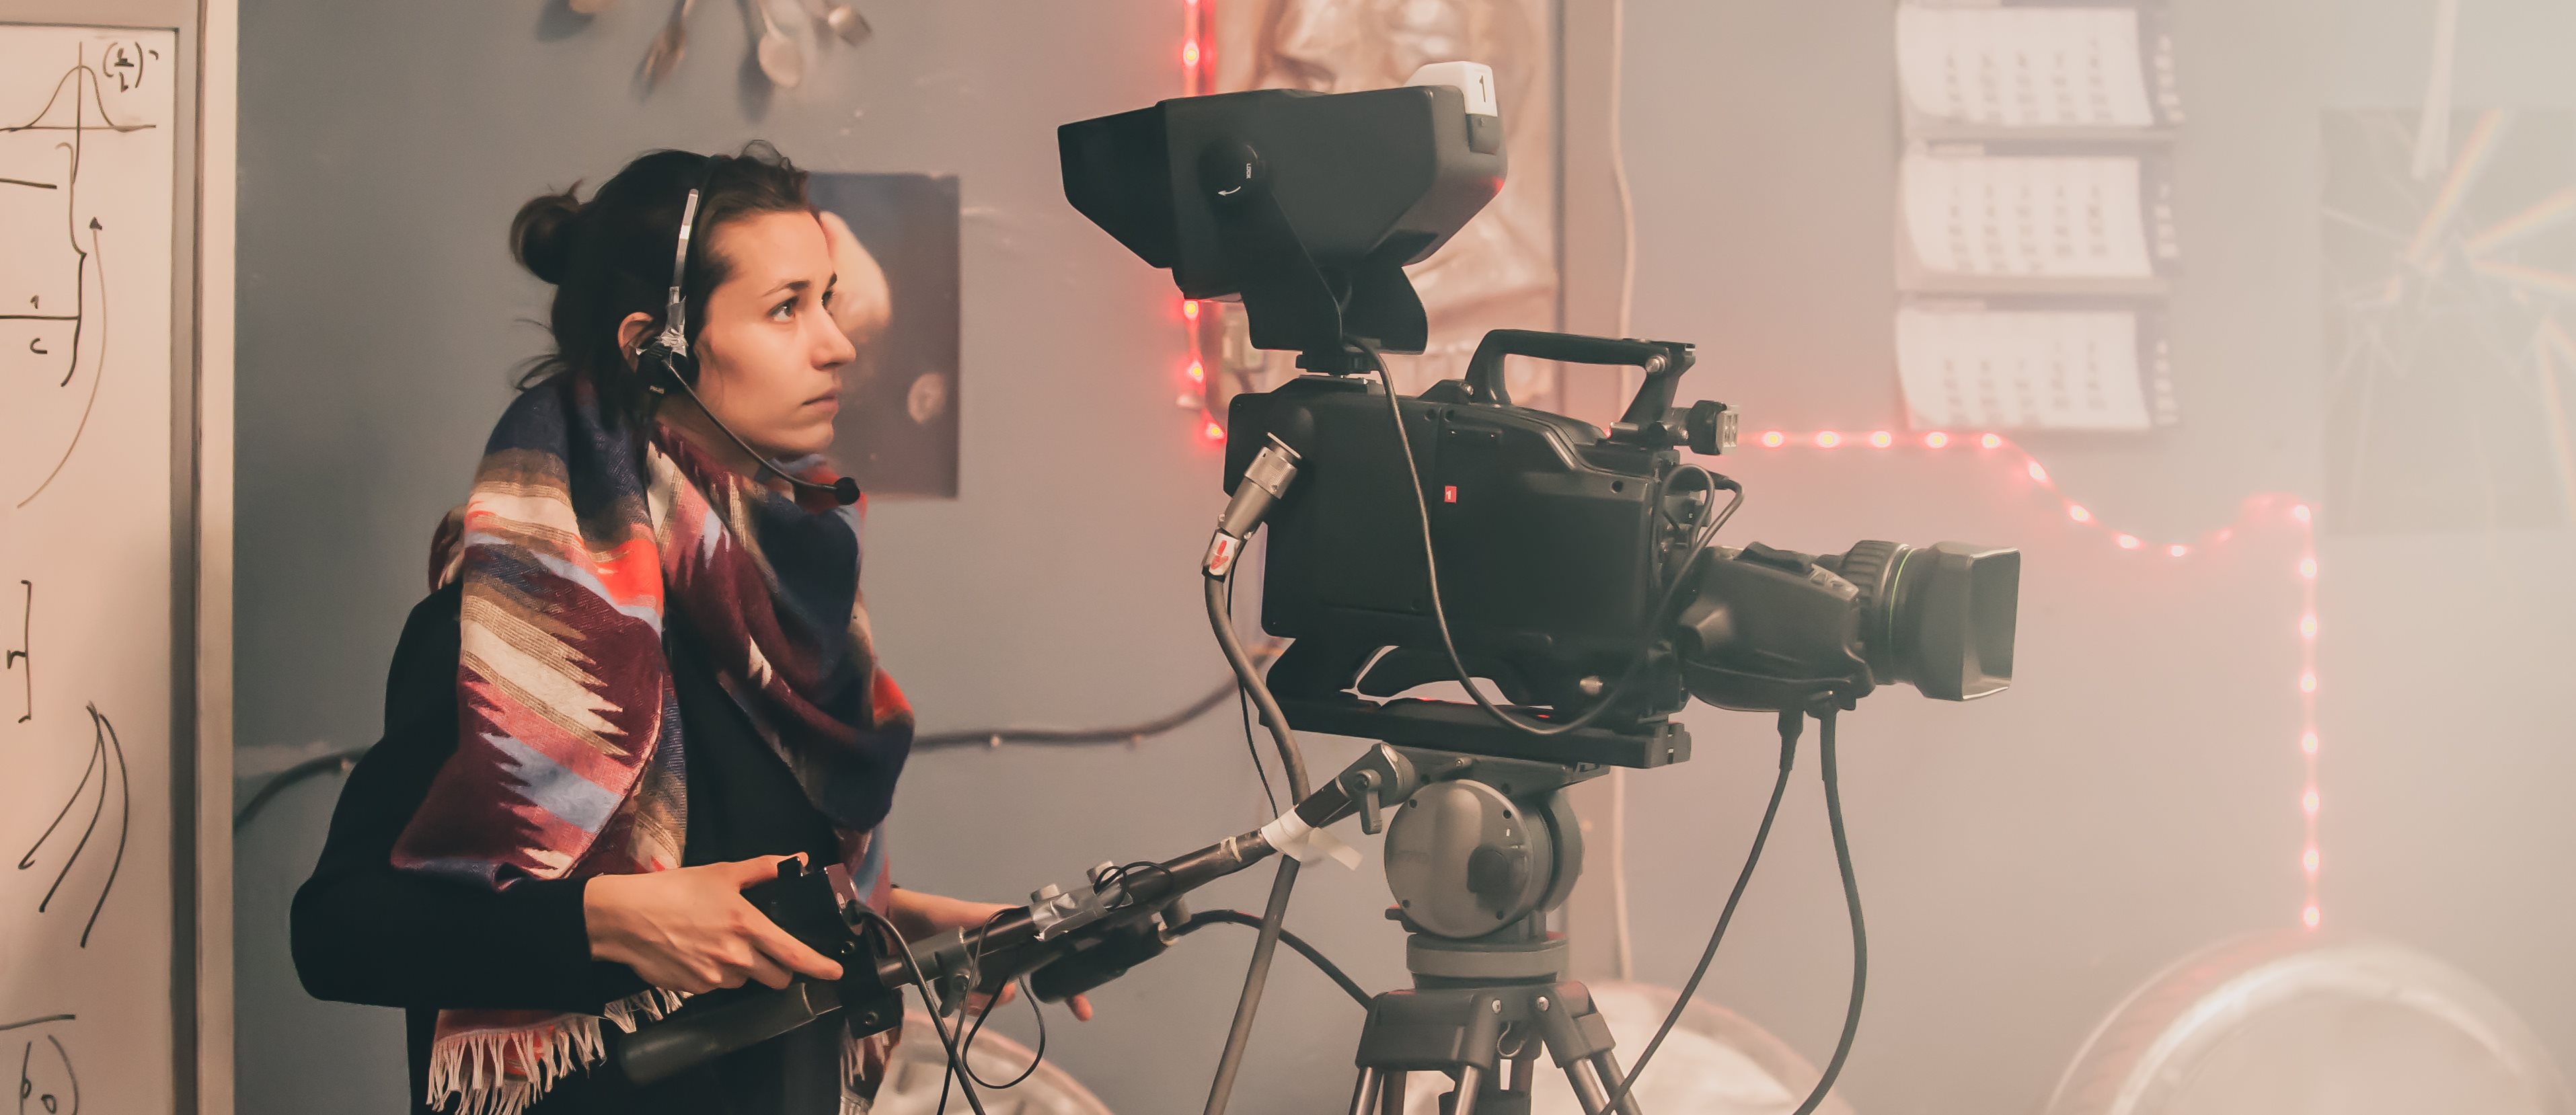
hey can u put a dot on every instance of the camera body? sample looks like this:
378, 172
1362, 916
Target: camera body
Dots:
1553, 540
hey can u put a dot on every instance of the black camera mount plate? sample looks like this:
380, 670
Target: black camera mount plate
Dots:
1467, 729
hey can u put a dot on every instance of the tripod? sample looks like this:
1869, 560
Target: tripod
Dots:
1484, 841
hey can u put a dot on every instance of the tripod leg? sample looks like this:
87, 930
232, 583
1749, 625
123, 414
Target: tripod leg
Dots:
1470, 1080
1606, 1064
1364, 1097
1390, 1093
1587, 1093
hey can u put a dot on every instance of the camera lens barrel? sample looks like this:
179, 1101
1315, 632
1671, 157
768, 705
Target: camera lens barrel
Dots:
1940, 618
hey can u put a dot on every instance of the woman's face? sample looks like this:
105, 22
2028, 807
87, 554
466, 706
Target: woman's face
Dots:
770, 355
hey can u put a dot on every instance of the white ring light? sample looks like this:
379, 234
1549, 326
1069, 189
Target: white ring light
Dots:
2289, 1024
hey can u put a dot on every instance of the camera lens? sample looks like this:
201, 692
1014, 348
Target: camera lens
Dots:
1940, 618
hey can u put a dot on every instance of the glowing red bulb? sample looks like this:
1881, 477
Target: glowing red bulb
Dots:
1773, 439
2301, 513
2037, 473
2307, 627
2309, 802
1990, 441
2310, 917
2128, 541
1828, 440
2308, 568
1214, 432
1198, 374
1881, 440
2308, 682
2077, 512
1935, 440
1190, 308
1190, 54
2308, 743
2309, 861
2178, 550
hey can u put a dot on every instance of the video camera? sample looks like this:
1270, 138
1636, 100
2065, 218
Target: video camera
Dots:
1564, 562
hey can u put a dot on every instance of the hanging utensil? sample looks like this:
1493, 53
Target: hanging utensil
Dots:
779, 56
844, 20
668, 46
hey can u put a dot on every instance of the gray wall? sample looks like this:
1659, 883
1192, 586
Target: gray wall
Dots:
2025, 860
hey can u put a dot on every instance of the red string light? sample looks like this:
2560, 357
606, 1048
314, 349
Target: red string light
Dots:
2310, 914
2301, 517
1196, 62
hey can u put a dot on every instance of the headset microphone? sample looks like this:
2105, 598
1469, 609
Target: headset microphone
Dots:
843, 491
666, 362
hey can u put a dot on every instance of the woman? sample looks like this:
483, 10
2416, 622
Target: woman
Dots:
643, 678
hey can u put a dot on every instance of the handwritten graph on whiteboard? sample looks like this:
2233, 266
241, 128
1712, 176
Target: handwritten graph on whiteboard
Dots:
88, 187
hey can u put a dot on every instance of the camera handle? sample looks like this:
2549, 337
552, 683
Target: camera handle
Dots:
1662, 361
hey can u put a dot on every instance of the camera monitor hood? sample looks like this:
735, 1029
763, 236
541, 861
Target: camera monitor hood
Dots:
1307, 206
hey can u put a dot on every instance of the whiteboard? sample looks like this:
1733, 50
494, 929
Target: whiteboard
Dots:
91, 586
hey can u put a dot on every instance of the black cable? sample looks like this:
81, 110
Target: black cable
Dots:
337, 761
1790, 724
1349, 986
1851, 897
1243, 703
921, 984
966, 1049
1440, 612
1123, 733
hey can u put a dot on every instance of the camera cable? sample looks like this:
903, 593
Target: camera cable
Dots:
1275, 912
921, 984
1851, 897
1440, 613
1243, 705
965, 1050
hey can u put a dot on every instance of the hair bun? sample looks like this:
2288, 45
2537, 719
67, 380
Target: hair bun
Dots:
541, 235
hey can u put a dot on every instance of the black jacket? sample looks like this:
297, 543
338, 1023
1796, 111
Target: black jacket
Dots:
364, 932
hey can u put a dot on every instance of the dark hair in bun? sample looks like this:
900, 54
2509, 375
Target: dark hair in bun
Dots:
541, 235
611, 256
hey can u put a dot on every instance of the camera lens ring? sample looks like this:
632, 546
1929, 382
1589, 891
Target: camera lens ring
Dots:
1873, 567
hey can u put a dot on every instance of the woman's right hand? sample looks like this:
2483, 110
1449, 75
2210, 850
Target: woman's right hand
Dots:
690, 930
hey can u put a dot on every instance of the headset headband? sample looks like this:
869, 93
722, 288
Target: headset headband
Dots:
675, 315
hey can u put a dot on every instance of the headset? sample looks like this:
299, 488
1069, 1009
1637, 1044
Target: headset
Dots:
666, 362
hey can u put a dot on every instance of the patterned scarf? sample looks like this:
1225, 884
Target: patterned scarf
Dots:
580, 537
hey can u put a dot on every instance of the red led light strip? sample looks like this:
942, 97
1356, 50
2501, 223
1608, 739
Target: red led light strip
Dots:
1197, 61
2301, 516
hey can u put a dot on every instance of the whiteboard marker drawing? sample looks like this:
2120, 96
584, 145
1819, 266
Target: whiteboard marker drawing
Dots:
45, 283
43, 1081
104, 748
19, 660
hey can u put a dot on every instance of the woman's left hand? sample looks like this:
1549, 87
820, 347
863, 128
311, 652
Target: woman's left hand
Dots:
919, 914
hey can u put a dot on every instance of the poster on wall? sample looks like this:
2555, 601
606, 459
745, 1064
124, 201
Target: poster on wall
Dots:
2450, 301
895, 245
1500, 271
